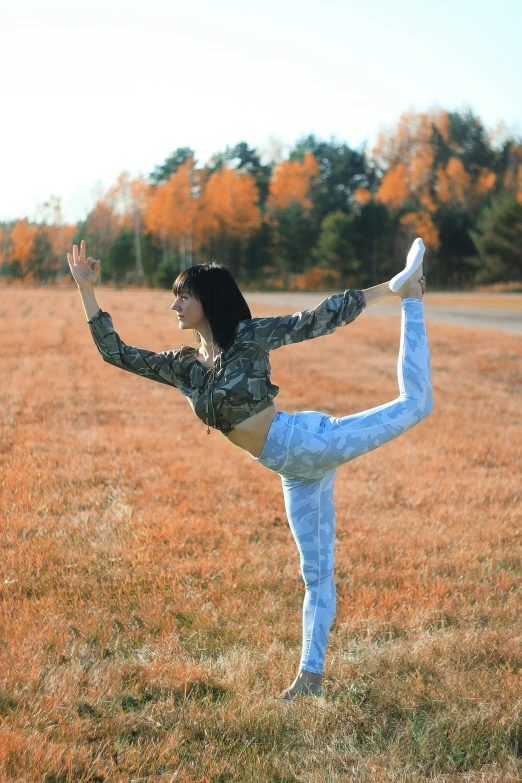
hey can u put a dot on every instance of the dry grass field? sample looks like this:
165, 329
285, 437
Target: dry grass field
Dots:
150, 593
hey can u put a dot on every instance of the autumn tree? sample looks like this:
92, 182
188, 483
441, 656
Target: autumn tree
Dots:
22, 238
406, 156
229, 215
439, 171
258, 248
172, 213
245, 159
291, 182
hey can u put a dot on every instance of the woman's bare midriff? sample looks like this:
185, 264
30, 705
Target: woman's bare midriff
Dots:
251, 433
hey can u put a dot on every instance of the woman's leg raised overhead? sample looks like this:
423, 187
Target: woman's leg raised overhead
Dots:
351, 436
319, 446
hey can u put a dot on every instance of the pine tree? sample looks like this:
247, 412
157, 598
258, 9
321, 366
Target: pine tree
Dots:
498, 239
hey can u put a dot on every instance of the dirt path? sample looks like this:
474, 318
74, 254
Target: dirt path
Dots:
483, 311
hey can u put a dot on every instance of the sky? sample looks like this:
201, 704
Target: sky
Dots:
92, 89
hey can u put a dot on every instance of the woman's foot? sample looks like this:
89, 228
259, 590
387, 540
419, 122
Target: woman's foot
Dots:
413, 265
305, 684
414, 287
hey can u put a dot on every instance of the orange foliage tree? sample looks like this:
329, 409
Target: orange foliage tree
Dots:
408, 156
287, 213
414, 171
229, 213
431, 180
420, 224
106, 220
408, 151
290, 182
362, 196
171, 211
519, 175
22, 238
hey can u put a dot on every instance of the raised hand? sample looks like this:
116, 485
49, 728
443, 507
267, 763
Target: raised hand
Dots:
81, 268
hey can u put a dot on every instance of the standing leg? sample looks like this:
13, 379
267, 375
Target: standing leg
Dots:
311, 515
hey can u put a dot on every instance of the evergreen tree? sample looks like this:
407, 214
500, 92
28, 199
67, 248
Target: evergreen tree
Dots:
467, 136
121, 262
335, 248
457, 260
171, 164
498, 239
374, 231
41, 261
341, 172
293, 245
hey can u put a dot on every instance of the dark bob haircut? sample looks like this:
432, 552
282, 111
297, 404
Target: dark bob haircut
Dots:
223, 303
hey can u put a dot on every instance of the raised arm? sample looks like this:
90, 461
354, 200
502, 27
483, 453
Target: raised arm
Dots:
161, 367
332, 312
85, 277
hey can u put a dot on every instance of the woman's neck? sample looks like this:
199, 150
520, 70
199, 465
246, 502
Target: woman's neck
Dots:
206, 346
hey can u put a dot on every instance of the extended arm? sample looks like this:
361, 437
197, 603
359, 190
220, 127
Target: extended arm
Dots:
378, 293
162, 367
332, 312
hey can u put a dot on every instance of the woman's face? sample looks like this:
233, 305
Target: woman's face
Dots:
190, 312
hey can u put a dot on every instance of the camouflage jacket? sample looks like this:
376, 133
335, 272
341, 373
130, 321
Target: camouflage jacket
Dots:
238, 385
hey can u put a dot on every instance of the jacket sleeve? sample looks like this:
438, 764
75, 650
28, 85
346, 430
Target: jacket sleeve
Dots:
334, 311
159, 367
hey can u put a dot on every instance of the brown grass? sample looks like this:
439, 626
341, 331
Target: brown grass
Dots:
150, 594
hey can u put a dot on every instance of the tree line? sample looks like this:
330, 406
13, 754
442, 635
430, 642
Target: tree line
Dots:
326, 216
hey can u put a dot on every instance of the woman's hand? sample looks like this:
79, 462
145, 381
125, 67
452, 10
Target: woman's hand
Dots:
81, 267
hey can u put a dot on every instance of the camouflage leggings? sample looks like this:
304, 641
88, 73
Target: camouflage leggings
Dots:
306, 448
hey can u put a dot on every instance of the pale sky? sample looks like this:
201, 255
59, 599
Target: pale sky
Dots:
91, 89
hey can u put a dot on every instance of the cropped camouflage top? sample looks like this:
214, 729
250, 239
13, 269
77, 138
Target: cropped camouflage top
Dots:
238, 384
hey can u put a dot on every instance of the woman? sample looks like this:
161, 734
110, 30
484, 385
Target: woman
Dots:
227, 382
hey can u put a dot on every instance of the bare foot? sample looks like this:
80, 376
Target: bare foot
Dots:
305, 684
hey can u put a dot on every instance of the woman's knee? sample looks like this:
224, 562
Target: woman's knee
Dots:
315, 578
428, 407
419, 407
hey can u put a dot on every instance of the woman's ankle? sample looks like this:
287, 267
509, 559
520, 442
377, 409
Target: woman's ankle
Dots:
310, 676
410, 290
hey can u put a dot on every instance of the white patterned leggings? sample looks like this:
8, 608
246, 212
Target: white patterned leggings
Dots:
306, 448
